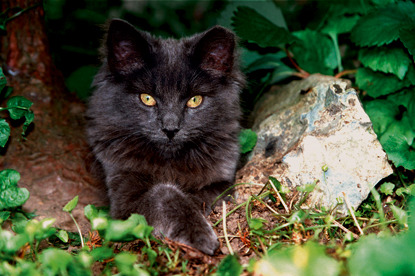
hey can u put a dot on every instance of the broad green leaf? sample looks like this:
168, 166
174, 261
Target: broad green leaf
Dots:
4, 132
408, 39
102, 253
71, 205
386, 60
307, 260
4, 215
99, 223
382, 26
85, 259
90, 212
252, 26
378, 84
229, 266
18, 107
340, 24
247, 140
62, 235
269, 61
314, 52
399, 152
125, 262
55, 261
387, 188
10, 195
119, 230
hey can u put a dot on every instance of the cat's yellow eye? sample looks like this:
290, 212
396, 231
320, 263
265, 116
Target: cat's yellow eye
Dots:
148, 100
194, 101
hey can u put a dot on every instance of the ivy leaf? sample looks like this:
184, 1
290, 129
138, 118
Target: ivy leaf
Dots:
399, 152
340, 24
314, 52
387, 188
386, 60
247, 140
71, 205
378, 84
4, 132
10, 195
252, 26
382, 26
408, 39
18, 107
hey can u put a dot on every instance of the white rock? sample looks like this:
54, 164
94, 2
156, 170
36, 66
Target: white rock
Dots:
300, 133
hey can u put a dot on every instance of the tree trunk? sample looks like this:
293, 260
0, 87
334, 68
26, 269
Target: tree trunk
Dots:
51, 160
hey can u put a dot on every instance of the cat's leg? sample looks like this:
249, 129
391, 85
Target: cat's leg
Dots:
169, 210
206, 196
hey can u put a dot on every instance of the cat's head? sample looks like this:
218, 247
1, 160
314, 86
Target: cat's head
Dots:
169, 93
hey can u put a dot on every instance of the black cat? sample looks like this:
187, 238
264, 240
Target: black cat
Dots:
163, 123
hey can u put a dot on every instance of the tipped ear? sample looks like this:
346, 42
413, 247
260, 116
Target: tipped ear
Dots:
127, 47
215, 50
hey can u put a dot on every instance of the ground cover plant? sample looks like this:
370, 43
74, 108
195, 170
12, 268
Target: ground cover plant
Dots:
369, 42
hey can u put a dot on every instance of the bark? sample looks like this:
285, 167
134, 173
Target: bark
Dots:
51, 159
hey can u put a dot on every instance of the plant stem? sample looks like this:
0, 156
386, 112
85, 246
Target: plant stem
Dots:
333, 37
228, 244
79, 229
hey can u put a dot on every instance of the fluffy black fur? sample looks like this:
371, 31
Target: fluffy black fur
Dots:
168, 161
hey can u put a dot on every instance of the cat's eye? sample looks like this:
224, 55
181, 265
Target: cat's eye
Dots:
148, 100
194, 101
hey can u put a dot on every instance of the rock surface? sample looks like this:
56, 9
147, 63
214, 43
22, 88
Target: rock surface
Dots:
309, 125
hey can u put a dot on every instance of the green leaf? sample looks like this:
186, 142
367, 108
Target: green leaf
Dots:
340, 24
229, 266
400, 215
314, 52
309, 259
306, 188
10, 195
62, 235
119, 230
382, 26
256, 223
399, 152
386, 60
378, 84
387, 188
252, 26
102, 253
90, 212
18, 107
55, 261
4, 215
80, 81
408, 39
247, 140
4, 132
3, 80
29, 116
125, 262
71, 205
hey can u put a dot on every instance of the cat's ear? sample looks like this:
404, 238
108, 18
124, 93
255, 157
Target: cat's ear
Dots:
215, 50
127, 48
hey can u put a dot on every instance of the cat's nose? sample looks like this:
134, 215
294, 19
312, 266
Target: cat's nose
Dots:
170, 133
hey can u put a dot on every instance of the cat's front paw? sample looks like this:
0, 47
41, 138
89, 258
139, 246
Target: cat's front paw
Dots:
200, 236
